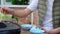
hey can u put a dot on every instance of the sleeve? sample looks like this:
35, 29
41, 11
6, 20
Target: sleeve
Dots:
33, 5
48, 25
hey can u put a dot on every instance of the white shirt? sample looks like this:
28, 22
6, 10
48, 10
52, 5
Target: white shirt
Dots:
47, 23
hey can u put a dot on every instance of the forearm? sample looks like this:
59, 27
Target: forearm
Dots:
22, 13
57, 30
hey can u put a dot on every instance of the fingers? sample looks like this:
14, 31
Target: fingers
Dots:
42, 28
46, 31
5, 10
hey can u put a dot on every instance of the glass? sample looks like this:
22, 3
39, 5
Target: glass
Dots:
17, 2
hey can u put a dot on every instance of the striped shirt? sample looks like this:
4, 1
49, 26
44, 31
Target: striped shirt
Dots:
47, 23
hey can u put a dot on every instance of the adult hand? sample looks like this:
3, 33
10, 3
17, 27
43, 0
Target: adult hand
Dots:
7, 10
54, 31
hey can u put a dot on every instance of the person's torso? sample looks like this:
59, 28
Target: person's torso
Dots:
50, 7
48, 17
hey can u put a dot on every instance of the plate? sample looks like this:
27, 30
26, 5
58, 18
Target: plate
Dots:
36, 30
26, 26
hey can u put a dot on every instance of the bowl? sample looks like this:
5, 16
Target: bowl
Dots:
26, 26
35, 30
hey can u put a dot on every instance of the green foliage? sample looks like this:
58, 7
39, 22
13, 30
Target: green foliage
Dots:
20, 2
5, 16
15, 17
8, 0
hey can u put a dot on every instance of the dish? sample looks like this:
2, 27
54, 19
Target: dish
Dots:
35, 30
26, 26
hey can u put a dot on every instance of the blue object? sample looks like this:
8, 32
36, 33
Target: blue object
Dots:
26, 26
35, 30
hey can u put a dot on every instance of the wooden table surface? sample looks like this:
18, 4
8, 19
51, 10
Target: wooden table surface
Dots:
25, 32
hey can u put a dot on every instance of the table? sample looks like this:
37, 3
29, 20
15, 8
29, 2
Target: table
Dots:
25, 32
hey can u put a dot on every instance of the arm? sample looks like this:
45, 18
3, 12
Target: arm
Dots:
28, 10
23, 13
55, 31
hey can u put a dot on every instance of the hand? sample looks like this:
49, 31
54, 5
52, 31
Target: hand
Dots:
46, 31
6, 10
54, 31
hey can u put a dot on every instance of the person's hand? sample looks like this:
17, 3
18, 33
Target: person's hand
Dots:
50, 31
6, 10
46, 31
